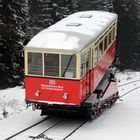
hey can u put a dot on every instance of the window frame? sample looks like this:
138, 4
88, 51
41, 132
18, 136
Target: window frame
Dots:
82, 71
110, 37
43, 64
104, 36
70, 60
28, 63
94, 63
85, 68
48, 65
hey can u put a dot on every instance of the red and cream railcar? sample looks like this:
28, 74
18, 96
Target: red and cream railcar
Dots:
65, 63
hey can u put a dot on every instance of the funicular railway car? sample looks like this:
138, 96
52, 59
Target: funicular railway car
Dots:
67, 64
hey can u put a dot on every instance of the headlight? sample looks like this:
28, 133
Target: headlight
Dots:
37, 93
65, 96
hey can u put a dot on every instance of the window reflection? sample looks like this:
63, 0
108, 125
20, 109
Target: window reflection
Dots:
95, 56
110, 38
34, 63
100, 50
105, 44
83, 63
51, 64
68, 66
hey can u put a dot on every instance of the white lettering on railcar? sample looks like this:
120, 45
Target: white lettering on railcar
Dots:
52, 82
51, 87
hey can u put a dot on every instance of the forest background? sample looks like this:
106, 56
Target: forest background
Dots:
20, 20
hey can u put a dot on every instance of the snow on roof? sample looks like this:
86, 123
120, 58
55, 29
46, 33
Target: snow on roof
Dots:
74, 32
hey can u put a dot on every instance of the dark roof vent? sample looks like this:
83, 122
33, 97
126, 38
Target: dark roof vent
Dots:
74, 24
85, 16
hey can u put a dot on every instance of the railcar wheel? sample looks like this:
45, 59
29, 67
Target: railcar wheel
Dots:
101, 110
108, 103
91, 115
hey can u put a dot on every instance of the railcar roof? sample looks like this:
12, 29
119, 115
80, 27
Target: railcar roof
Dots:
73, 33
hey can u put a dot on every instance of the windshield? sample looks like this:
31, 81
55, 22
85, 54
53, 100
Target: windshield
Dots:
35, 63
47, 64
51, 62
68, 66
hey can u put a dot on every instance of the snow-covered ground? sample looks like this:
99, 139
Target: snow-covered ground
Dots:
12, 102
122, 121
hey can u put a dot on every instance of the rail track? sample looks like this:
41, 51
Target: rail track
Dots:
42, 135
129, 92
75, 130
64, 135
22, 131
129, 83
55, 126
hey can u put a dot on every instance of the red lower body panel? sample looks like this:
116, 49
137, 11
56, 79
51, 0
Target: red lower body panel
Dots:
53, 90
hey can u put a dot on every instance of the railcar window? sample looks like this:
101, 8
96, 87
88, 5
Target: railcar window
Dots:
110, 38
105, 43
100, 49
87, 60
113, 33
82, 65
68, 66
34, 63
95, 56
51, 64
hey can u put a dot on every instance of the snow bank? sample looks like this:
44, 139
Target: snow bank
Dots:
12, 101
126, 76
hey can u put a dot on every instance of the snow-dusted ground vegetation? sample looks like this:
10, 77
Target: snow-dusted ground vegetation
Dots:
12, 101
122, 121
